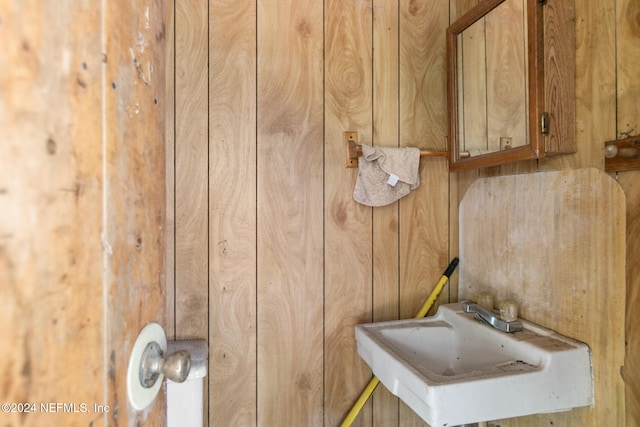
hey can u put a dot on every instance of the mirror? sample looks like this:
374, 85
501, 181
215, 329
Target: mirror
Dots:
495, 95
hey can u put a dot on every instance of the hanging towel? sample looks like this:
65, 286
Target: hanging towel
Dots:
386, 174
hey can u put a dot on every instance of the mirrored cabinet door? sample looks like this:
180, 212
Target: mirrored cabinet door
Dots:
496, 85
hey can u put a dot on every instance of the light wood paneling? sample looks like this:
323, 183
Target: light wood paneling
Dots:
423, 214
630, 182
285, 81
232, 213
472, 81
170, 148
506, 70
385, 219
559, 75
348, 226
628, 123
627, 62
424, 245
460, 181
595, 85
191, 169
290, 213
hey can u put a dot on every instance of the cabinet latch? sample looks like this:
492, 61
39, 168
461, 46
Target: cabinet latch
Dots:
544, 123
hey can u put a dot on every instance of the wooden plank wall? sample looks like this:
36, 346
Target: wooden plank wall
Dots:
274, 261
628, 123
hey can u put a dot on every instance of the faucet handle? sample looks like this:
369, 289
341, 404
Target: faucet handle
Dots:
508, 310
485, 299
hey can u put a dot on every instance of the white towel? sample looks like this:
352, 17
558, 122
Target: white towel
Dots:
386, 174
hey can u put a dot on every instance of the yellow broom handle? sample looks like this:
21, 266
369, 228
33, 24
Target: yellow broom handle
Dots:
371, 387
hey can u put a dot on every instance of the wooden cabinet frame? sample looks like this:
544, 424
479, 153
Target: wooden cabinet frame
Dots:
551, 85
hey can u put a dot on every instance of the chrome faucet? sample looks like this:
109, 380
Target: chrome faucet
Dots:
491, 318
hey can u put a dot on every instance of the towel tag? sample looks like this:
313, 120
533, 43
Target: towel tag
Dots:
393, 180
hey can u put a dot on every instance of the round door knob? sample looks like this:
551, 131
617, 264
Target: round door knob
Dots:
175, 366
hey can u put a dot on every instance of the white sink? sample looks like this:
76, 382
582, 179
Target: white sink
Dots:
453, 369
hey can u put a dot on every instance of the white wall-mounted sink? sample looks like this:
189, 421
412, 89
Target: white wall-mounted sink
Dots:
453, 369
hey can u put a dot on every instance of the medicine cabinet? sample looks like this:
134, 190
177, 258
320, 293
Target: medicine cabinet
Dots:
511, 82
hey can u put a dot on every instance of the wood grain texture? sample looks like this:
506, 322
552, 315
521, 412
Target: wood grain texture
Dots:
628, 123
560, 255
424, 245
630, 182
595, 85
459, 181
506, 74
559, 76
348, 225
81, 252
598, 38
134, 146
359, 95
191, 169
627, 64
385, 219
232, 219
472, 96
290, 213
51, 196
170, 126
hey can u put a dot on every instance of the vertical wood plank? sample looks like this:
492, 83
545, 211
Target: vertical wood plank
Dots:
232, 207
134, 120
595, 85
350, 229
559, 75
348, 225
424, 245
628, 124
169, 232
630, 181
290, 213
627, 64
191, 169
460, 181
51, 185
423, 214
506, 63
472, 81
385, 219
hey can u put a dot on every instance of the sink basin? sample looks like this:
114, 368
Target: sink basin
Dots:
453, 369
